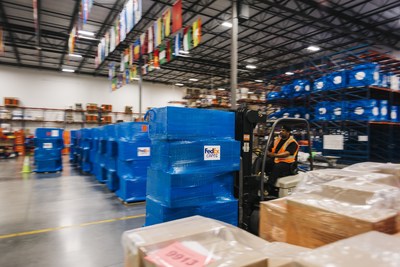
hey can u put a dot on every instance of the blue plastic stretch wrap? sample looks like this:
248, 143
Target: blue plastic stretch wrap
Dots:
364, 110
99, 168
223, 209
337, 80
275, 95
42, 154
301, 87
321, 84
217, 155
384, 110
180, 190
395, 113
48, 165
56, 133
132, 190
49, 143
323, 111
132, 131
287, 90
134, 150
174, 123
112, 180
364, 75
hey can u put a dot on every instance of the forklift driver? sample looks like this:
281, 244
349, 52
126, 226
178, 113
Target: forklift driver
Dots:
282, 159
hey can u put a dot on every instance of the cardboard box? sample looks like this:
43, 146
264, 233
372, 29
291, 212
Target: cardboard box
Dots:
372, 249
274, 220
316, 220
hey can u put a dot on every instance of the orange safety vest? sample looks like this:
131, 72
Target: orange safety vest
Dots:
290, 158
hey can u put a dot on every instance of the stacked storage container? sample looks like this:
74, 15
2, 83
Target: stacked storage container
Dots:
133, 160
111, 156
194, 155
86, 146
94, 150
49, 143
72, 147
100, 157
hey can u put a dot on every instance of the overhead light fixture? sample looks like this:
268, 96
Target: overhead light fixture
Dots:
75, 55
227, 24
289, 73
86, 33
87, 38
250, 92
179, 84
183, 52
258, 81
251, 67
68, 70
221, 89
193, 79
313, 48
184, 55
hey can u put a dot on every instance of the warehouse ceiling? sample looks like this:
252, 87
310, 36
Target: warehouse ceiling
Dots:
274, 37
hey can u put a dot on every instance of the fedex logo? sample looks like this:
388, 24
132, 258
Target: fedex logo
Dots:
143, 151
212, 152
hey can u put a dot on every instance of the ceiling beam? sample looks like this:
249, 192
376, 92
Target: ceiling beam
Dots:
38, 30
7, 28
74, 17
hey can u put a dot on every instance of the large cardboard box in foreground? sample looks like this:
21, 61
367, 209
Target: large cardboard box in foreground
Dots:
200, 241
372, 249
274, 221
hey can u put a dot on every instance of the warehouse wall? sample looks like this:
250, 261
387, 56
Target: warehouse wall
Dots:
36, 88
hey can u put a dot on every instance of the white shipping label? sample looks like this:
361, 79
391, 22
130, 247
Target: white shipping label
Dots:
143, 151
47, 145
55, 133
212, 152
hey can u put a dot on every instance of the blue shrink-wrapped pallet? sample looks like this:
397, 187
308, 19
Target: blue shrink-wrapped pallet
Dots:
111, 157
395, 113
301, 87
323, 111
72, 147
175, 123
321, 84
364, 75
215, 155
188, 189
95, 148
287, 90
86, 147
364, 110
274, 95
339, 110
100, 158
134, 152
48, 146
223, 209
384, 110
337, 80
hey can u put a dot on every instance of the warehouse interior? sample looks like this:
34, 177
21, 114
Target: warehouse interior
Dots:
150, 133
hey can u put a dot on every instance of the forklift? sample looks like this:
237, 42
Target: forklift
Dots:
250, 180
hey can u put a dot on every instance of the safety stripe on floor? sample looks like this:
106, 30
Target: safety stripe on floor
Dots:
46, 230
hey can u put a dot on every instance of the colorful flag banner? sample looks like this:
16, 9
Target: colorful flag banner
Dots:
116, 29
126, 58
162, 54
177, 16
112, 39
167, 22
85, 10
1, 42
111, 70
71, 41
150, 44
130, 20
177, 43
168, 54
122, 25
187, 39
143, 43
107, 44
156, 59
122, 63
196, 32
136, 52
159, 32
137, 7
131, 56
133, 72
114, 84
150, 62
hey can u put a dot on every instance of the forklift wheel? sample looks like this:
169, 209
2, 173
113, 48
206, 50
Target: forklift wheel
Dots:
254, 222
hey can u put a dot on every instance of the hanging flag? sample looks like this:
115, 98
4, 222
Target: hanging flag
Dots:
122, 25
168, 51
116, 29
85, 10
1, 42
143, 43
177, 44
167, 22
112, 39
71, 41
136, 52
177, 16
107, 44
126, 58
111, 70
150, 62
150, 44
122, 62
196, 32
187, 39
35, 14
137, 7
162, 57
156, 59
155, 34
130, 20
159, 31
114, 84
133, 72
131, 56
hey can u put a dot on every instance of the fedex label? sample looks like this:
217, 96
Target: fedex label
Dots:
212, 152
143, 151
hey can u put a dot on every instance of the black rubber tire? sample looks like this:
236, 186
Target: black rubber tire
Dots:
254, 222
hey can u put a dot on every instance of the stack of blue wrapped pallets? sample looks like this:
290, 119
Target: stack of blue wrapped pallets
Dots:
133, 160
86, 146
100, 157
72, 147
194, 156
111, 156
48, 145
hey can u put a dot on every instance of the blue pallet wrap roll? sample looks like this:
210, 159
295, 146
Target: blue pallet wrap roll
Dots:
218, 155
223, 209
175, 123
179, 190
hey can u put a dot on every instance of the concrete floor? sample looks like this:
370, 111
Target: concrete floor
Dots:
61, 219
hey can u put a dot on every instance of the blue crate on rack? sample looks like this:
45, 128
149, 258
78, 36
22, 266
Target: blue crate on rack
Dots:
384, 110
323, 111
301, 87
174, 123
364, 75
338, 80
321, 84
364, 110
395, 113
223, 209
